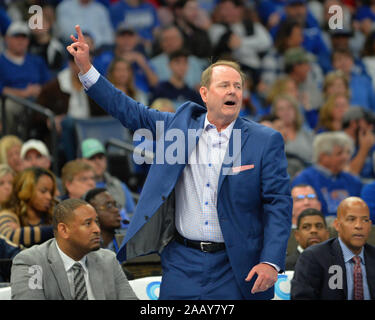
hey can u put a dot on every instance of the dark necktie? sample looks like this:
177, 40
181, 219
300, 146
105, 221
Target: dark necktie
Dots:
358, 281
79, 283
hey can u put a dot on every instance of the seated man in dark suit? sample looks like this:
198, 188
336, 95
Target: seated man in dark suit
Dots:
72, 265
311, 229
340, 268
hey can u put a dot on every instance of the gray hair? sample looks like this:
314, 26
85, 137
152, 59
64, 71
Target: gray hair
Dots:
326, 141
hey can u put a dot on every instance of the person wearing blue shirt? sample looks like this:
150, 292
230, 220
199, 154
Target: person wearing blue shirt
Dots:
138, 15
312, 35
361, 89
332, 152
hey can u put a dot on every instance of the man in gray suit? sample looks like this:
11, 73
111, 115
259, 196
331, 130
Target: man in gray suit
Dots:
72, 265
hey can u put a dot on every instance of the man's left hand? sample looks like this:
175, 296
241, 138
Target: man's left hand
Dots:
267, 277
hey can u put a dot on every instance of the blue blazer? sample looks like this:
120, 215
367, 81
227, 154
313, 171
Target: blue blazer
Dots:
254, 205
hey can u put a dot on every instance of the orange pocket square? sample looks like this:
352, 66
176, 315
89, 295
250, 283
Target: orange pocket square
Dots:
242, 168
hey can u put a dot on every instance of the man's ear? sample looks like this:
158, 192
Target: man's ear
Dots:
63, 230
203, 92
336, 224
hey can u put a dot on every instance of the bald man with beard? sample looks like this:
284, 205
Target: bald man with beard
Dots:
328, 271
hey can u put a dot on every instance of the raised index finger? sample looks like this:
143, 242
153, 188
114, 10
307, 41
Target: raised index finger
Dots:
81, 38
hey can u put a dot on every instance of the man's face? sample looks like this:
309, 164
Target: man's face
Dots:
17, 45
296, 11
337, 160
179, 67
303, 198
83, 232
108, 212
353, 225
342, 62
99, 164
171, 40
81, 183
223, 97
311, 231
34, 158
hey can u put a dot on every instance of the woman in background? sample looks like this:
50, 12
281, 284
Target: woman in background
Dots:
10, 152
26, 218
6, 183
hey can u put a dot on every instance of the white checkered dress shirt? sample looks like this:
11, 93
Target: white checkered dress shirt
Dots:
196, 189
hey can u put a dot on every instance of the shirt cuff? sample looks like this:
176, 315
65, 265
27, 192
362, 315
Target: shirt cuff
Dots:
89, 78
273, 265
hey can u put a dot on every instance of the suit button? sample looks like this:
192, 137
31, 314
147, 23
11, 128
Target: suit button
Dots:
163, 198
146, 218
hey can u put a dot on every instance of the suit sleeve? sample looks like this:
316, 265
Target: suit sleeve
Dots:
305, 284
277, 202
26, 277
132, 114
123, 289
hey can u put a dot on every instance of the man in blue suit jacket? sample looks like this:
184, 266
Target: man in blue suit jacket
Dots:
222, 224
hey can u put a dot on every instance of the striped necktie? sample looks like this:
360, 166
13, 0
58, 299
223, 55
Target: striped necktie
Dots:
358, 281
79, 282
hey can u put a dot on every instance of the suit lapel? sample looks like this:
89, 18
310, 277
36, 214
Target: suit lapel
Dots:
370, 271
339, 260
58, 271
95, 277
232, 156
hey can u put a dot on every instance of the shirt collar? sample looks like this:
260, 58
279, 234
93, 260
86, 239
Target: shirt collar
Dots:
348, 254
69, 262
226, 132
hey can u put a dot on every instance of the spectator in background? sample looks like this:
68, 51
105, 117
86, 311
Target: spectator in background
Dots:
311, 229
108, 214
331, 156
90, 14
128, 47
237, 36
6, 183
368, 195
137, 15
336, 82
361, 89
120, 73
194, 24
22, 74
94, 153
175, 89
170, 40
304, 197
10, 152
359, 125
298, 66
27, 216
368, 56
298, 139
332, 112
34, 153
44, 44
77, 177
312, 36
312, 278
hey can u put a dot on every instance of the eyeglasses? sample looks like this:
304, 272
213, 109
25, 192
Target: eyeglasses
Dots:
301, 197
110, 205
